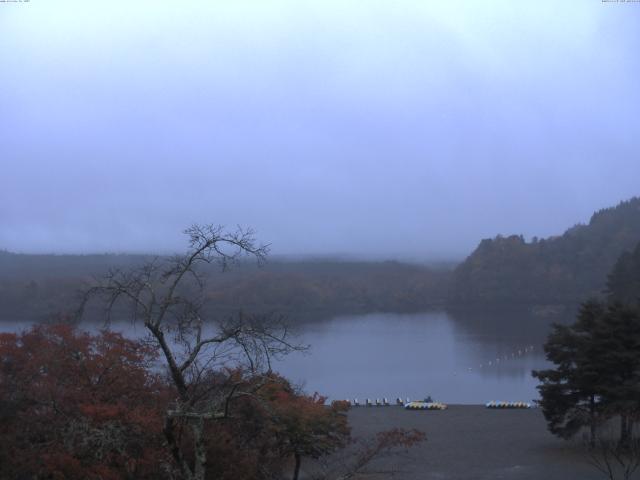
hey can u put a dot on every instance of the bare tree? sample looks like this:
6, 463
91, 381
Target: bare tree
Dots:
208, 361
611, 458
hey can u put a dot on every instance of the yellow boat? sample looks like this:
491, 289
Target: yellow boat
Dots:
494, 404
420, 405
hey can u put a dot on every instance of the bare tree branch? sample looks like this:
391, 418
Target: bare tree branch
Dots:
167, 295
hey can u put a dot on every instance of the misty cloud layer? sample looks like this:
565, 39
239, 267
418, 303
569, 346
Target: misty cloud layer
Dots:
398, 129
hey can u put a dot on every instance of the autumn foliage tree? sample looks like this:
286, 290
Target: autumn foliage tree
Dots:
79, 406
75, 405
268, 435
302, 425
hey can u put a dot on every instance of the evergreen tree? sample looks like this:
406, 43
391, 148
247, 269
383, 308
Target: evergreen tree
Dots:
569, 392
617, 349
597, 373
623, 284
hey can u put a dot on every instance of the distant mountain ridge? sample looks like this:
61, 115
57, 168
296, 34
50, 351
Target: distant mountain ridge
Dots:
558, 270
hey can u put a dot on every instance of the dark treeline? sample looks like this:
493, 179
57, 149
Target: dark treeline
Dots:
554, 271
35, 287
317, 288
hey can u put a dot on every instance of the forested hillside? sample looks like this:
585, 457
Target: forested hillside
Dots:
556, 270
623, 284
35, 287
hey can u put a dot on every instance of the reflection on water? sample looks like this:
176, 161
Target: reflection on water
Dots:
414, 355
455, 358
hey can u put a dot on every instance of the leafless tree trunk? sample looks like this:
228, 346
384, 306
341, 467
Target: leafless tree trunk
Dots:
614, 460
167, 296
296, 469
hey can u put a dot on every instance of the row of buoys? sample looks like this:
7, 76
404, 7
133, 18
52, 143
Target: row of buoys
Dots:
494, 404
504, 358
425, 406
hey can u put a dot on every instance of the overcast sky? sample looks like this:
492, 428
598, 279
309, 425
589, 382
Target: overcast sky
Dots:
405, 129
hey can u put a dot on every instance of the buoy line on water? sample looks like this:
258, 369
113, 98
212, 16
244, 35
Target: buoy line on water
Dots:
502, 359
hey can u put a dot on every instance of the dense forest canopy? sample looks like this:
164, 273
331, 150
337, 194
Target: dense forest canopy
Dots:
557, 270
623, 283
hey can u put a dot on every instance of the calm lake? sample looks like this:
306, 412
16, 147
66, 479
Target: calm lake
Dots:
465, 359
415, 355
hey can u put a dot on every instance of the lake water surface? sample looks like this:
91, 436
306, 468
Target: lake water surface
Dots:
466, 359
414, 355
